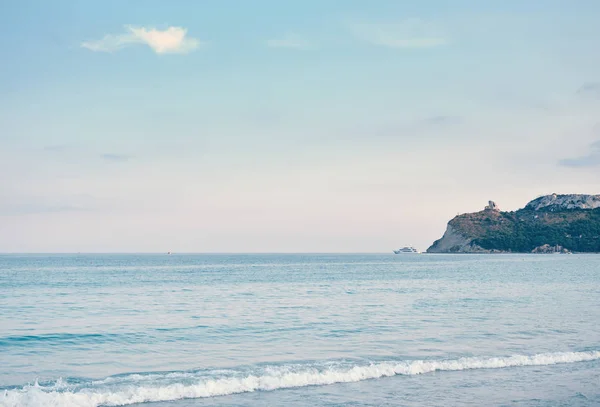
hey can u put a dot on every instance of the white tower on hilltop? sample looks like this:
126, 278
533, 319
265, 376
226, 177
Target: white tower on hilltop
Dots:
492, 206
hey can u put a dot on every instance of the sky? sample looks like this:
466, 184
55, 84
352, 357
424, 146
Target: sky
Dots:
296, 126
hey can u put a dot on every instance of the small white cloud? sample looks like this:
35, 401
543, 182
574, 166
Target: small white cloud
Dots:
411, 33
289, 41
172, 40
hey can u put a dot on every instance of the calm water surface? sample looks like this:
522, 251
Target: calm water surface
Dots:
300, 330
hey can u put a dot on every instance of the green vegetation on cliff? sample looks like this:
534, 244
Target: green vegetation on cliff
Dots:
571, 222
577, 230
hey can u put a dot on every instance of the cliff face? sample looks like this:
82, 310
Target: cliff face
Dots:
455, 242
567, 222
451, 242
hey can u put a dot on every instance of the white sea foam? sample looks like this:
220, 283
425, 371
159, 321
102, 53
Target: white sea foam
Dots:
130, 389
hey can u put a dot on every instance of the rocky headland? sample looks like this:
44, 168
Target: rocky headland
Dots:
548, 224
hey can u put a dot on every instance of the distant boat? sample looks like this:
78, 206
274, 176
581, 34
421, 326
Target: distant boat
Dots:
406, 249
168, 252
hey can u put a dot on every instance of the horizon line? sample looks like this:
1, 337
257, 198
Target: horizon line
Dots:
174, 253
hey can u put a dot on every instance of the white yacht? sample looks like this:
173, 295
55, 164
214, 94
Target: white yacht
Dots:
406, 249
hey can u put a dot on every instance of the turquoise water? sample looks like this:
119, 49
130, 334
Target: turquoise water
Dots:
301, 330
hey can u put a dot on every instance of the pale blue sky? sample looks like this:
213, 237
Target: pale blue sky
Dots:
210, 126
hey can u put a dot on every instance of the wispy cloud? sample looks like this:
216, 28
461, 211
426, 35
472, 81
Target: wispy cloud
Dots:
10, 206
55, 147
590, 160
442, 120
17, 204
589, 89
34, 208
173, 40
410, 33
289, 41
116, 157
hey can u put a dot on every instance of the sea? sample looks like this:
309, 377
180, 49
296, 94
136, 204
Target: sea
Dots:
299, 330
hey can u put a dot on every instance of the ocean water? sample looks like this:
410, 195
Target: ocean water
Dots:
300, 330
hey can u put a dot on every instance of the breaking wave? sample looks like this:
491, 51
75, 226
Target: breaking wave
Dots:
138, 388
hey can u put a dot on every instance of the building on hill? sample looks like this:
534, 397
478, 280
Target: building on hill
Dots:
491, 206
